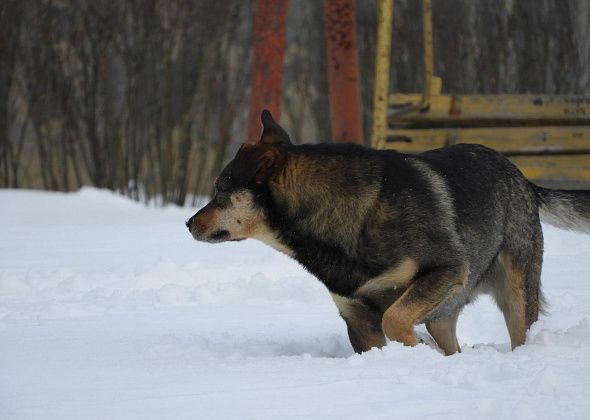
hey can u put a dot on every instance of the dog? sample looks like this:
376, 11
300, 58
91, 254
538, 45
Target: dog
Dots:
398, 240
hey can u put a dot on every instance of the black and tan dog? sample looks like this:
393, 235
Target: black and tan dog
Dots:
397, 239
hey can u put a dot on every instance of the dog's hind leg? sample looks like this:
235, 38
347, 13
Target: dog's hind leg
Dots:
518, 296
363, 323
510, 297
444, 332
422, 297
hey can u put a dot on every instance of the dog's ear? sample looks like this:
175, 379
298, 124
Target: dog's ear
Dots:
260, 161
269, 161
272, 133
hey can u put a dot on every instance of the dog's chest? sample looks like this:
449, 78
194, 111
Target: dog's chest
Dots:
271, 239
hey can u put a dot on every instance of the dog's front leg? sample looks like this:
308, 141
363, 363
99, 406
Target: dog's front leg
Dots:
444, 332
424, 295
362, 322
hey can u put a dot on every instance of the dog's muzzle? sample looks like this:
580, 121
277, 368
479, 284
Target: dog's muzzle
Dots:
198, 232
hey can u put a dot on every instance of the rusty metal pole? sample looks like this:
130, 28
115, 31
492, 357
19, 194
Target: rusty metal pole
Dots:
267, 63
343, 71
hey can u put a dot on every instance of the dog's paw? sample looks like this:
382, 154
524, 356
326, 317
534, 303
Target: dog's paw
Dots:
425, 338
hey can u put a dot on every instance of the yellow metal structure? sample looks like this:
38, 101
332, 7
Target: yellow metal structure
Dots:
382, 63
547, 136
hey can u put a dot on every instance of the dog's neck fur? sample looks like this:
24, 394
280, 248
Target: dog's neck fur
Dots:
317, 218
319, 204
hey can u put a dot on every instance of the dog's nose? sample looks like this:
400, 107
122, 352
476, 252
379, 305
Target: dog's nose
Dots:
188, 223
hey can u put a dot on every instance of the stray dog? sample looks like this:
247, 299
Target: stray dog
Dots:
397, 239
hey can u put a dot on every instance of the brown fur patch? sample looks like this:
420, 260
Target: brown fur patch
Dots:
331, 217
421, 298
363, 334
396, 277
400, 326
205, 220
443, 331
512, 300
345, 305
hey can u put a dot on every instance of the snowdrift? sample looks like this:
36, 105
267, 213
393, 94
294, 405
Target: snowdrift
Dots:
109, 310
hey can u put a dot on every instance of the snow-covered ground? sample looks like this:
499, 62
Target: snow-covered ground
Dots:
109, 310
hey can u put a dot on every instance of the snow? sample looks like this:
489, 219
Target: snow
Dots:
109, 310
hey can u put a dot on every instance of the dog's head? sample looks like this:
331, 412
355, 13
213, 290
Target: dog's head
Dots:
236, 211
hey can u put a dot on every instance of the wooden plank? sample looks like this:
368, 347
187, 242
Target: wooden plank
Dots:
508, 140
574, 168
474, 110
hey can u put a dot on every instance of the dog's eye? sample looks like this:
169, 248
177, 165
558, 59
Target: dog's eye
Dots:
221, 185
223, 199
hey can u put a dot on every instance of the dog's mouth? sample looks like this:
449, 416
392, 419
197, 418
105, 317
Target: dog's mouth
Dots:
218, 236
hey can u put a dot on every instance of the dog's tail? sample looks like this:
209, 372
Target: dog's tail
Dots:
565, 209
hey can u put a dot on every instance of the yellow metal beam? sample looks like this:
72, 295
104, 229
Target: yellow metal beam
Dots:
382, 66
474, 110
508, 140
430, 83
564, 169
428, 61
560, 155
